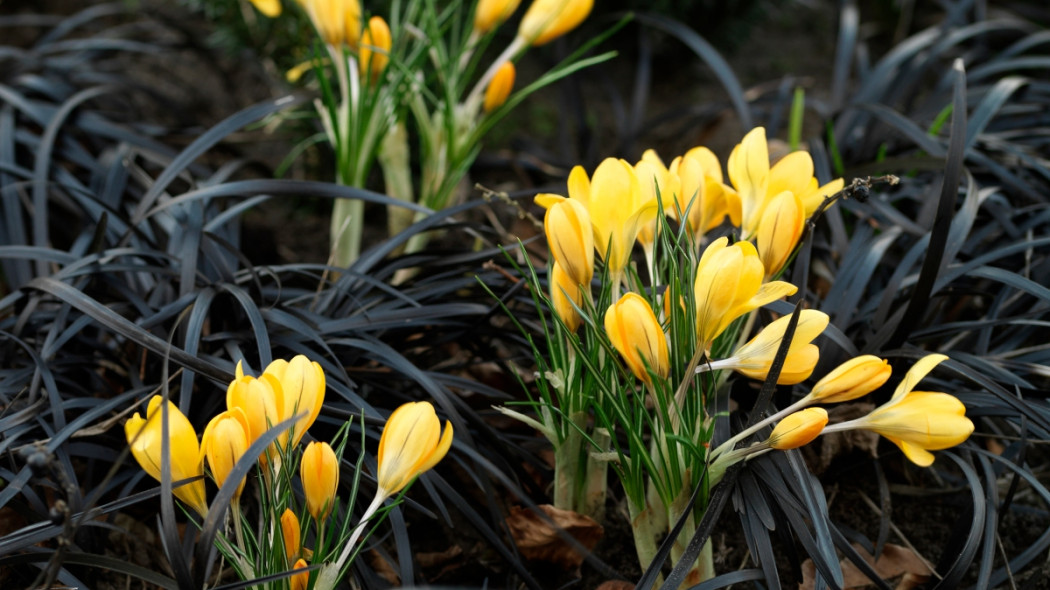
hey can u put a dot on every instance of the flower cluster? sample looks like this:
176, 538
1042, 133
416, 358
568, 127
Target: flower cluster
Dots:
637, 363
384, 80
282, 404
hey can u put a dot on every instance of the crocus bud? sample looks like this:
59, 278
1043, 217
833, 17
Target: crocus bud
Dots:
798, 429
270, 8
779, 231
854, 378
499, 88
489, 14
290, 532
565, 293
224, 442
546, 20
302, 391
319, 471
411, 444
571, 241
145, 437
300, 581
636, 334
374, 52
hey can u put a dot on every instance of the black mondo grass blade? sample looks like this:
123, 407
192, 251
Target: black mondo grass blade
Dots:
933, 263
957, 564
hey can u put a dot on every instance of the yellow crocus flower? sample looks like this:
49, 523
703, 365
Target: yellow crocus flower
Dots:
755, 358
798, 429
636, 334
300, 581
499, 88
852, 379
701, 197
319, 472
794, 173
728, 285
571, 239
779, 231
262, 401
145, 437
338, 22
224, 442
566, 292
748, 167
374, 52
302, 391
290, 533
270, 8
617, 209
546, 20
489, 14
411, 444
917, 421
655, 180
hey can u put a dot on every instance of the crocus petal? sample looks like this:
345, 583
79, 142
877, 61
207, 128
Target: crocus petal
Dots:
916, 373
411, 444
566, 297
749, 172
798, 429
489, 14
499, 88
755, 358
319, 472
145, 437
779, 231
546, 20
290, 533
302, 392
571, 240
854, 378
636, 334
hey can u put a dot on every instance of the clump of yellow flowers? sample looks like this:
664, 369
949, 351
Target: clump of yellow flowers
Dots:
424, 72
268, 416
634, 372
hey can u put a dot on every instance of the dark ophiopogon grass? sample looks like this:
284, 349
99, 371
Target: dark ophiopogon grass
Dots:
122, 264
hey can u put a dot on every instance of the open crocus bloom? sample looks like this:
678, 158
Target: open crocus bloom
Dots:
146, 438
728, 285
755, 358
917, 421
411, 444
302, 392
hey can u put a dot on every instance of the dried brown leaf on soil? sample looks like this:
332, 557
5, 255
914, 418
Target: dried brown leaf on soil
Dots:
616, 585
538, 540
896, 563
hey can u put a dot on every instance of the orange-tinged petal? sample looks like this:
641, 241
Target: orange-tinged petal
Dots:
300, 581
290, 533
499, 88
636, 334
319, 472
374, 52
797, 429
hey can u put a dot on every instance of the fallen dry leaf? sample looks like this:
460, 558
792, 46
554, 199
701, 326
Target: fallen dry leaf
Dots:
538, 540
384, 568
895, 562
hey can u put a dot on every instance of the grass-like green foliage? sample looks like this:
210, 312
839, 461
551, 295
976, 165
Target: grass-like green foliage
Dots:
952, 260
123, 277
